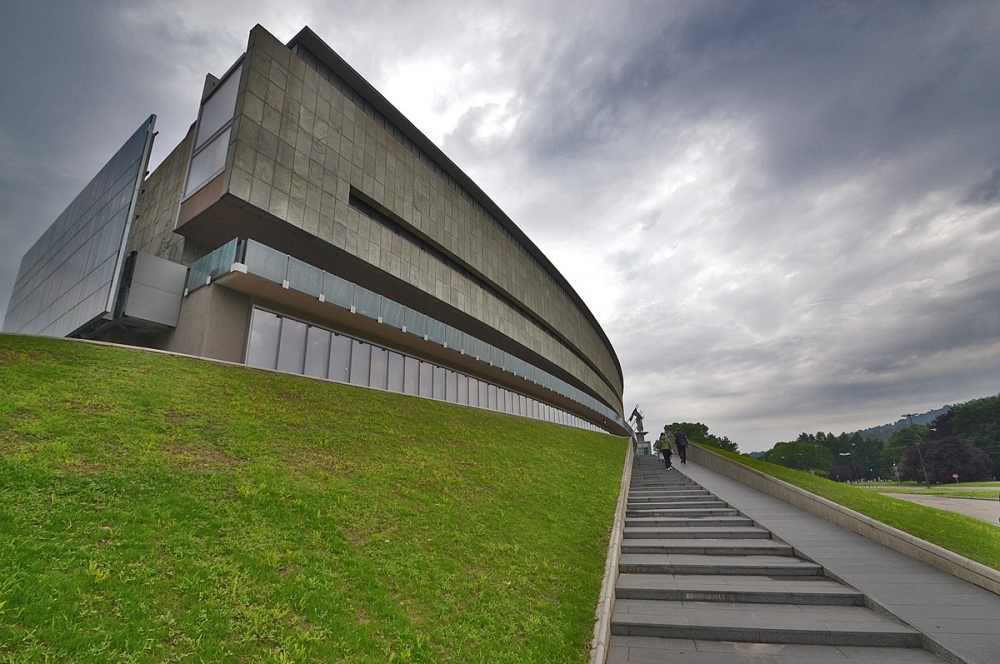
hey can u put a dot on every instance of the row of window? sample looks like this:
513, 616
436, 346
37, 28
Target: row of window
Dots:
286, 344
263, 261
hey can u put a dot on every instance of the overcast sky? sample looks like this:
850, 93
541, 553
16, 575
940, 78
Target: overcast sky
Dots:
785, 215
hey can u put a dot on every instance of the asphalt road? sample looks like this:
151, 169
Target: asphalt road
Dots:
985, 510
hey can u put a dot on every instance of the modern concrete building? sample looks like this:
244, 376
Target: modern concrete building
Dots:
305, 225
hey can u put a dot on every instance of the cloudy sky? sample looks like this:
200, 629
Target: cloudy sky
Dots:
785, 215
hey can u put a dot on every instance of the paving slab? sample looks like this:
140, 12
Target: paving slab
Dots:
647, 650
924, 597
765, 623
977, 508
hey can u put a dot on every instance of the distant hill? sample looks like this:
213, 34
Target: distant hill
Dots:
885, 430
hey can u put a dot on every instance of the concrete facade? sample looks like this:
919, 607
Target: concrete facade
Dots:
316, 167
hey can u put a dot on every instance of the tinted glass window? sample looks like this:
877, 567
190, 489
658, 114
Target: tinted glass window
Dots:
395, 373
439, 383
340, 358
292, 348
361, 356
492, 402
262, 351
411, 375
473, 391
317, 352
380, 363
451, 386
426, 379
463, 389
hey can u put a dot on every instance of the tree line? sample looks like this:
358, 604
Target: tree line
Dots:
962, 442
697, 433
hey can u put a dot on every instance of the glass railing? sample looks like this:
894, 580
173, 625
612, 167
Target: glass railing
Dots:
267, 263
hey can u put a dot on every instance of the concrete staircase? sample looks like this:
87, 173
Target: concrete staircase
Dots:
692, 567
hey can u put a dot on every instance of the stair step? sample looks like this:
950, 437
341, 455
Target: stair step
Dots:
741, 589
683, 522
729, 547
697, 532
760, 623
695, 512
762, 565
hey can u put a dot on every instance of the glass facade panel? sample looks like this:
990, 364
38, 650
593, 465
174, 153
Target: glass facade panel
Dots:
435, 331
411, 375
262, 350
392, 313
338, 291
292, 347
213, 265
426, 380
416, 322
296, 347
440, 390
340, 358
473, 391
367, 303
208, 163
304, 277
380, 365
317, 352
69, 276
361, 357
265, 262
218, 108
394, 382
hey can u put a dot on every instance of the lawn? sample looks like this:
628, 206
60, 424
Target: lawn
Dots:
156, 508
972, 538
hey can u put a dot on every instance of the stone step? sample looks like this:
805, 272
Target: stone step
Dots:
697, 532
671, 503
684, 522
703, 564
760, 623
694, 512
742, 589
687, 651
727, 547
674, 498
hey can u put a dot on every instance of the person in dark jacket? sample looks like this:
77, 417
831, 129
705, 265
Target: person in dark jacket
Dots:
681, 440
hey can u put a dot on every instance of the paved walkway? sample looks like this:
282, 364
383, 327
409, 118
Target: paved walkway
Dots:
985, 510
962, 617
700, 582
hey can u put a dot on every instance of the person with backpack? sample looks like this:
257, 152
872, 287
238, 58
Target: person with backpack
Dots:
665, 454
681, 440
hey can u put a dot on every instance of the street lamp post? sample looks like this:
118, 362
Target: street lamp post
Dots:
909, 416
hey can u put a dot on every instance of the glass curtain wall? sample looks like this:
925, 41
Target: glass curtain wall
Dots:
286, 344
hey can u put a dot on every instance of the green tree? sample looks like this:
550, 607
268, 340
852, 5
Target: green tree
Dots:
978, 423
801, 456
698, 433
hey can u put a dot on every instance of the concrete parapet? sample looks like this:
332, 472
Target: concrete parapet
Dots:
606, 604
914, 547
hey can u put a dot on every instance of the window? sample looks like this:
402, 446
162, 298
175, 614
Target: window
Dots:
361, 357
380, 365
411, 375
262, 351
395, 372
317, 352
426, 379
340, 358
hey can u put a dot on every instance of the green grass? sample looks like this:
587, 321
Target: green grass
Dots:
156, 509
972, 538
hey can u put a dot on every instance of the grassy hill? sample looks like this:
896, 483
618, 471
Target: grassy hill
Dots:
156, 508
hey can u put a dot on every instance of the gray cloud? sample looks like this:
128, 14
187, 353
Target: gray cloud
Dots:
787, 216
